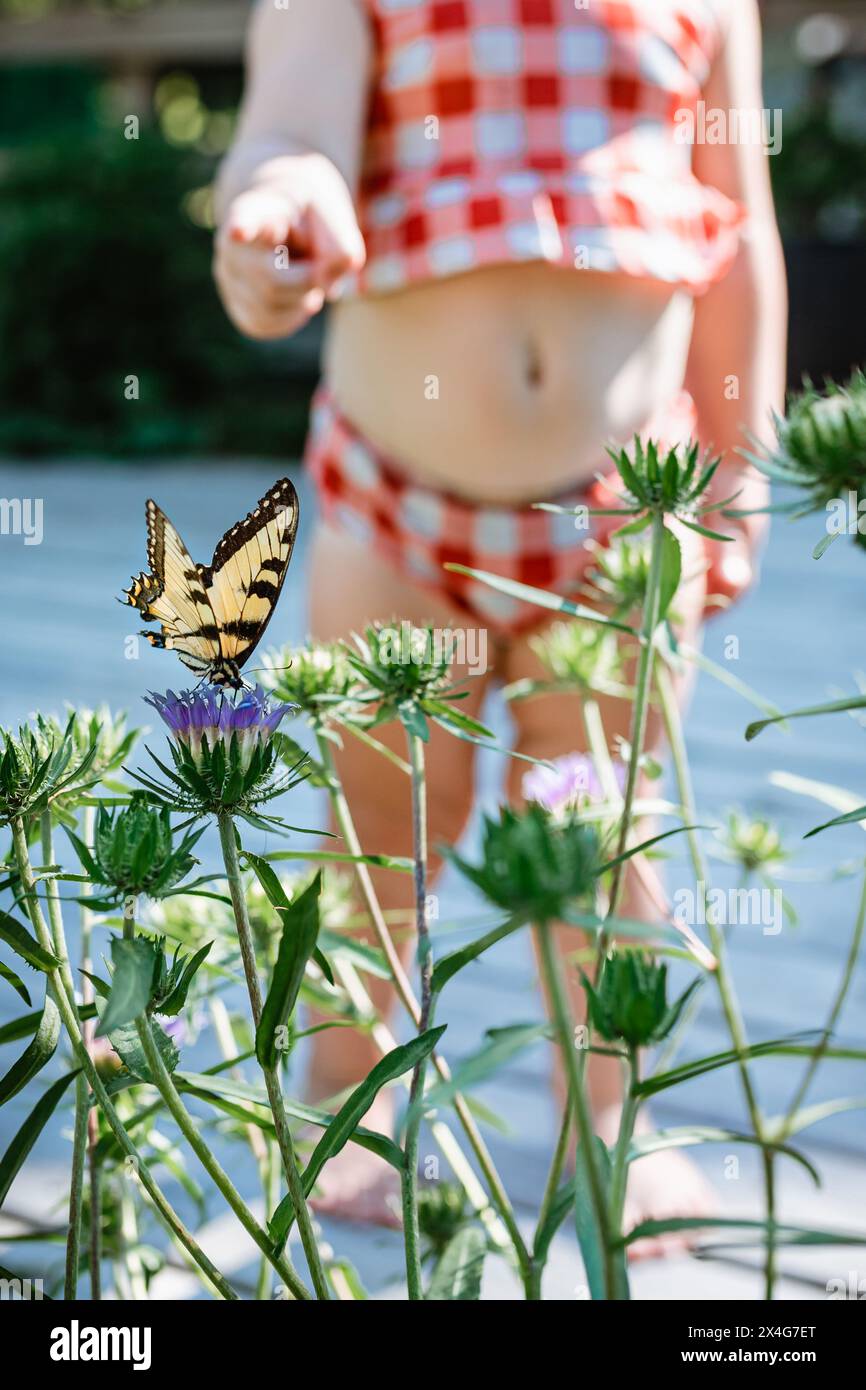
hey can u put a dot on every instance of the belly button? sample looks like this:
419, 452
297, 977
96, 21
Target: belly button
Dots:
533, 368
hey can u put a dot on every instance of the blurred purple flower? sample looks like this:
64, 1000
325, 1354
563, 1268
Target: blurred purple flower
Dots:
218, 716
568, 779
176, 1029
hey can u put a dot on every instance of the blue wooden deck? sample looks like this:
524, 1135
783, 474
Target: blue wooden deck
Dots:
800, 639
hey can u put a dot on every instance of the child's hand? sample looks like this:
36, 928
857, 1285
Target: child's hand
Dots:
284, 244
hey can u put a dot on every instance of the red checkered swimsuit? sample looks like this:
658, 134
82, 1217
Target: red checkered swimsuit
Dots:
502, 131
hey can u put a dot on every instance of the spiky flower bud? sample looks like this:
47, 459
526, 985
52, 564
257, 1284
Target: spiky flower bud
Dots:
630, 1004
134, 851
537, 868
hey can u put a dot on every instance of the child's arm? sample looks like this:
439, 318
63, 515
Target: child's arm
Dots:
736, 370
289, 176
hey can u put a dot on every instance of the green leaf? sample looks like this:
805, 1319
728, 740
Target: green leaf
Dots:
134, 965
647, 844
689, 1070
24, 945
36, 1054
633, 528
823, 544
705, 531
20, 1146
782, 1234
413, 721
556, 1214
127, 1045
527, 593
18, 1028
327, 856
366, 958
811, 1115
172, 1006
671, 571
298, 940
343, 1125
457, 1277
691, 1135
832, 707
449, 965
8, 974
449, 714
588, 1234
88, 862
220, 1090
850, 818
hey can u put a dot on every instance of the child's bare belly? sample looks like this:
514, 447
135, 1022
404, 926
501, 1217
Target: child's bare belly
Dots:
505, 384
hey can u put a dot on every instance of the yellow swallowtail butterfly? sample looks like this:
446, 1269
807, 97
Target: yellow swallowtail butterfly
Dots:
214, 615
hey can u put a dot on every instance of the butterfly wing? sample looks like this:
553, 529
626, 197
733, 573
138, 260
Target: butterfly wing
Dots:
173, 595
245, 578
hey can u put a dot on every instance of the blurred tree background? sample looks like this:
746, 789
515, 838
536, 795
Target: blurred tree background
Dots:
105, 240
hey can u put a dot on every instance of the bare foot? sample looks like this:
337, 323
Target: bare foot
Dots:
356, 1185
660, 1186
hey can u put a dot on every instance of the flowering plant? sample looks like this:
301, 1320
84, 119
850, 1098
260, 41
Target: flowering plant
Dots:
235, 955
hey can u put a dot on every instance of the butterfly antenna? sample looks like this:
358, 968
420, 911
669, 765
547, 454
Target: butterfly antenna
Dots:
257, 670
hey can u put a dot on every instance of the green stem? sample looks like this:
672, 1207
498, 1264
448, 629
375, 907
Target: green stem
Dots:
406, 995
630, 1106
271, 1074
136, 1288
685, 793
82, 1093
271, 1186
72, 1025
95, 1243
769, 1162
551, 1188
176, 1108
596, 740
88, 1031
409, 1178
577, 1093
833, 1016
640, 709
724, 983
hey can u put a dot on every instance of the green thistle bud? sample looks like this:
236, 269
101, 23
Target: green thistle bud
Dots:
579, 657
403, 663
317, 677
620, 574
754, 845
821, 449
664, 484
442, 1211
537, 868
630, 1004
134, 851
407, 676
104, 730
39, 766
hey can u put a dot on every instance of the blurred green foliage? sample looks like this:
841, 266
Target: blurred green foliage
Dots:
105, 244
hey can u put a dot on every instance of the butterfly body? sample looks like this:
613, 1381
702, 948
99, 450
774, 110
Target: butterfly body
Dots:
214, 615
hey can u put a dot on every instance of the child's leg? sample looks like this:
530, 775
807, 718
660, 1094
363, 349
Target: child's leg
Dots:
349, 587
664, 1184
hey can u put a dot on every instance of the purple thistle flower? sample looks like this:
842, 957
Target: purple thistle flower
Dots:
215, 716
569, 779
